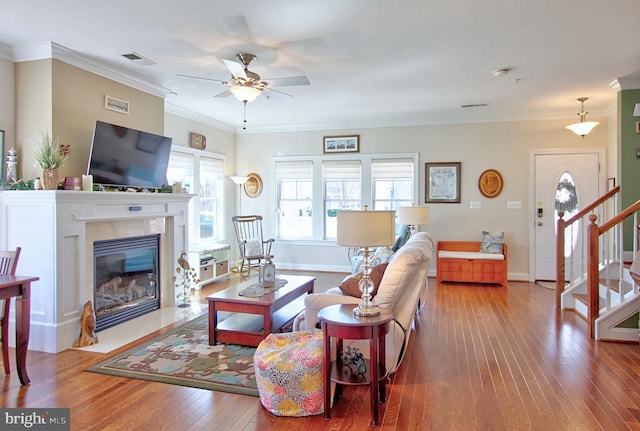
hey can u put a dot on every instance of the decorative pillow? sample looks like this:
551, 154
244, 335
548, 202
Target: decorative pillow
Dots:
253, 247
349, 285
492, 242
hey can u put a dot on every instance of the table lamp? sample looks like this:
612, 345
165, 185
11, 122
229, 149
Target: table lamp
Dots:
413, 216
366, 229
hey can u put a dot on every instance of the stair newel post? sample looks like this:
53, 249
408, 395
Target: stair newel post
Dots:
560, 261
593, 275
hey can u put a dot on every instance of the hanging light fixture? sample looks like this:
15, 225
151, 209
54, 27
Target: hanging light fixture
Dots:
583, 127
245, 93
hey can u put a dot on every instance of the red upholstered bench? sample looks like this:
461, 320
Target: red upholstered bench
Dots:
461, 261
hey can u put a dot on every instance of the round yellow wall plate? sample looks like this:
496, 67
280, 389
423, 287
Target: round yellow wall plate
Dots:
490, 183
253, 186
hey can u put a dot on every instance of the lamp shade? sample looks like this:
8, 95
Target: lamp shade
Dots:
582, 128
366, 228
239, 180
413, 215
245, 93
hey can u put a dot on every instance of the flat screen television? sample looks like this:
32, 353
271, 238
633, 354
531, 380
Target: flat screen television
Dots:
126, 157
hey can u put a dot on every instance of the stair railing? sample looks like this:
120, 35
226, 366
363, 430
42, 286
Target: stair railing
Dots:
606, 206
593, 272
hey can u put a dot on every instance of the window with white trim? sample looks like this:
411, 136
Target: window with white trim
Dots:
311, 189
201, 174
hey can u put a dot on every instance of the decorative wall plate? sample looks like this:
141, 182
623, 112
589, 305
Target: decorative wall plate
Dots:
490, 183
253, 186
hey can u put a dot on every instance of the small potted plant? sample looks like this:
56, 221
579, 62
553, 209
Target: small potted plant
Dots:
50, 156
184, 280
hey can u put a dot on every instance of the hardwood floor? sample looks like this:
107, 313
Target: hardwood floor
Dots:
480, 358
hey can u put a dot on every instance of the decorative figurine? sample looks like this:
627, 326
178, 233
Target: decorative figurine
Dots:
87, 327
267, 273
12, 163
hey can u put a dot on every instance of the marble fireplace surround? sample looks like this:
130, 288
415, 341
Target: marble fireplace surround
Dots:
56, 230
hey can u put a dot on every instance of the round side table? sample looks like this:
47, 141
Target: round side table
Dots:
339, 322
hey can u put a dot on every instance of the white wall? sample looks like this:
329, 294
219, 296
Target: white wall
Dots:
501, 146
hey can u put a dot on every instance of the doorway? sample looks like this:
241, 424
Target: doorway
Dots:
564, 180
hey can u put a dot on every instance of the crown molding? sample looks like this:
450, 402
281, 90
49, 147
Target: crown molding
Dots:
52, 50
194, 116
626, 83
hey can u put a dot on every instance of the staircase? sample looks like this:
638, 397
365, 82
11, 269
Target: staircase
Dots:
599, 284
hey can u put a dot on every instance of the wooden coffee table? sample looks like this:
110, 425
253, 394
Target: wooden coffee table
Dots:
255, 318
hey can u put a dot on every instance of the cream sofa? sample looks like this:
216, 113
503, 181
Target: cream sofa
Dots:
401, 291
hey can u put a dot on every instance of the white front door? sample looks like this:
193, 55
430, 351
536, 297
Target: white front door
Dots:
566, 182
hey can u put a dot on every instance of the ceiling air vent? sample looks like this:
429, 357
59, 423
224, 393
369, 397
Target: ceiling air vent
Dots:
139, 59
475, 105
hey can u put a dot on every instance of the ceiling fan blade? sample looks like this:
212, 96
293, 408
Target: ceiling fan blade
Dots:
288, 81
270, 93
203, 79
236, 69
225, 93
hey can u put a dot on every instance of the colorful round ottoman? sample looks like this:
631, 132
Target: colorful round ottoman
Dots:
289, 373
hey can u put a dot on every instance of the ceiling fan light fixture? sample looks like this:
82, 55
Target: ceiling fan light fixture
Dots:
245, 93
583, 127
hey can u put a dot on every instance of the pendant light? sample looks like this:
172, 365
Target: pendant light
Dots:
583, 127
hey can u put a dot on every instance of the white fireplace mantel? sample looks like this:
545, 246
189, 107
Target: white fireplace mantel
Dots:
54, 227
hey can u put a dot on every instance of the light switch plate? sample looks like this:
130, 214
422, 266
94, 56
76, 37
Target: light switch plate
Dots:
514, 205
475, 205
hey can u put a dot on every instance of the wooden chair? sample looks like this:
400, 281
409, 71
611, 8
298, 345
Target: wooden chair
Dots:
8, 264
253, 246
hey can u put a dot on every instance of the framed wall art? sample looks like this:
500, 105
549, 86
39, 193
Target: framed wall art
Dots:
341, 144
113, 104
442, 182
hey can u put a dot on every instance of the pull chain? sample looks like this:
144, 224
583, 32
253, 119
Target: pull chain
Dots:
244, 119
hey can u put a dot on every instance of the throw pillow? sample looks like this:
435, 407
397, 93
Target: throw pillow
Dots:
492, 242
349, 285
253, 247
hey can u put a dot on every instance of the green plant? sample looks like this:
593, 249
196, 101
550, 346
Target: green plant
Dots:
49, 154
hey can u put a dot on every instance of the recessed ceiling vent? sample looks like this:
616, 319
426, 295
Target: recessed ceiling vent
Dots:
475, 105
139, 59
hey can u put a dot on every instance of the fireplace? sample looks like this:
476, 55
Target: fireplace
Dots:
126, 278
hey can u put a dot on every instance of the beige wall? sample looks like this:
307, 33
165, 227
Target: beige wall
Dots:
66, 101
7, 98
501, 146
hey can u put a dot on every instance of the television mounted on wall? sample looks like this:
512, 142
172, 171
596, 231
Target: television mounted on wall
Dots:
125, 157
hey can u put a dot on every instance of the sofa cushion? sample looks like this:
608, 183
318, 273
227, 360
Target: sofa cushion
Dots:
400, 271
349, 285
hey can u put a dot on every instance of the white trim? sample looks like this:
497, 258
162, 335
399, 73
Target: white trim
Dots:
199, 118
532, 189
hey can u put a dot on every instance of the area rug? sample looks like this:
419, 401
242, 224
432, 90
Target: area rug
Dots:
184, 357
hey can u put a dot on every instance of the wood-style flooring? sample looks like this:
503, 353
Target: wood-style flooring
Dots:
480, 358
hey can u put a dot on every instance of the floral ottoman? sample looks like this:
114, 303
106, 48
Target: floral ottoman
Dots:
289, 373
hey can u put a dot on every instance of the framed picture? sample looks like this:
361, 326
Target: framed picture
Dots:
117, 105
342, 144
197, 140
442, 182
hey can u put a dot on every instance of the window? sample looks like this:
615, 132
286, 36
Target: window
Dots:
294, 195
201, 174
311, 189
342, 191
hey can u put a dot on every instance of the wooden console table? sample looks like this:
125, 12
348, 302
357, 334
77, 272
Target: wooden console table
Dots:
19, 287
338, 321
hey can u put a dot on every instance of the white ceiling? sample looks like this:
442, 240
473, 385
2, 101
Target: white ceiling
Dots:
370, 62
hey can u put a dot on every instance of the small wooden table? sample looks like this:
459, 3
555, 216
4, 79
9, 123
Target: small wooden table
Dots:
270, 311
19, 287
338, 321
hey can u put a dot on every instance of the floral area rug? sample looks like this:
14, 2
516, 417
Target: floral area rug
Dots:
184, 357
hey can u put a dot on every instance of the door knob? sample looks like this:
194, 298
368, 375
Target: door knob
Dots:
539, 223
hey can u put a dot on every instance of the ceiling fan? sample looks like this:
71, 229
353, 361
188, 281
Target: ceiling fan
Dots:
247, 85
